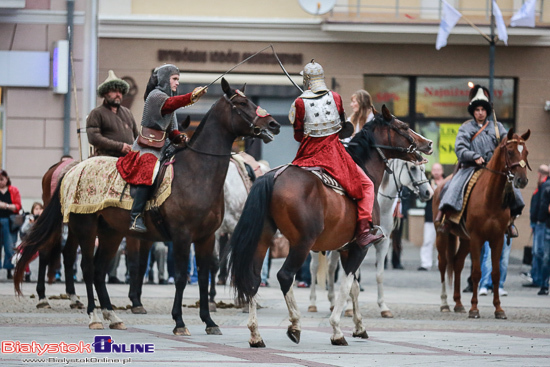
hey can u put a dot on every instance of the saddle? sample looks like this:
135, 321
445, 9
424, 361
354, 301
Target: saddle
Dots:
320, 173
458, 227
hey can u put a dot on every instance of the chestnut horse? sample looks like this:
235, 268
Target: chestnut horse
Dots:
313, 217
486, 219
192, 212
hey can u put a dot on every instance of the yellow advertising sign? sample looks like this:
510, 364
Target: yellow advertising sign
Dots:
447, 137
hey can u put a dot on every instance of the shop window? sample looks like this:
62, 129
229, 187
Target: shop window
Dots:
393, 91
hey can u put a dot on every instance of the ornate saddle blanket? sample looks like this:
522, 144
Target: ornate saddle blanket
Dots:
95, 184
63, 168
321, 174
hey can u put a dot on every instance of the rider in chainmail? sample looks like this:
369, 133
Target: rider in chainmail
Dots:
158, 125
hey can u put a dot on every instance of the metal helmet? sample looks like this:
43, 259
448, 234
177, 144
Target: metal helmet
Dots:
314, 77
163, 74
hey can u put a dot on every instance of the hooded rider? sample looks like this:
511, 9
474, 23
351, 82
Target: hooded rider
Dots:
474, 146
158, 126
318, 117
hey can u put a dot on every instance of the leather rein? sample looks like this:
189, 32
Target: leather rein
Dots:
507, 165
416, 184
411, 149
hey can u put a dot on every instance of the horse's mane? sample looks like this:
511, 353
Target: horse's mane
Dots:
201, 126
361, 146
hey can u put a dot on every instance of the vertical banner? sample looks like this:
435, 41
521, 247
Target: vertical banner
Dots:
447, 137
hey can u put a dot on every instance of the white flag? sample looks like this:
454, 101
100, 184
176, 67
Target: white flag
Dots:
501, 27
449, 18
525, 17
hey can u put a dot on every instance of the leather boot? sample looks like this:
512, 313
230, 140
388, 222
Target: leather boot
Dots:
136, 213
365, 235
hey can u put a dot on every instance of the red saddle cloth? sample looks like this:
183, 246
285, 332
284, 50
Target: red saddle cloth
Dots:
138, 169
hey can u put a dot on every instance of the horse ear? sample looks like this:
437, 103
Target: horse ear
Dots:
526, 135
510, 133
243, 88
386, 113
225, 87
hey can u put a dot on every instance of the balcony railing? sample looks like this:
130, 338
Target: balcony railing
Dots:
428, 11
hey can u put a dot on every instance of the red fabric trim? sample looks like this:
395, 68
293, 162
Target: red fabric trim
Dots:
15, 198
173, 103
137, 169
299, 120
173, 134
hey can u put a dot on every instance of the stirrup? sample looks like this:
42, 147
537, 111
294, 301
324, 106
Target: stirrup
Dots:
512, 231
138, 225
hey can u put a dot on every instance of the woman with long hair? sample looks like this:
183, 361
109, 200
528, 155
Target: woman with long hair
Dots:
363, 110
10, 203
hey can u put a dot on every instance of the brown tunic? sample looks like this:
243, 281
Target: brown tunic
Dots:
107, 131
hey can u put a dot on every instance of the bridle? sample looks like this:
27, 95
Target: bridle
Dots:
507, 165
416, 184
256, 130
411, 149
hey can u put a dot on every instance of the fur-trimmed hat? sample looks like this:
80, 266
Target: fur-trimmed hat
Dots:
112, 83
479, 96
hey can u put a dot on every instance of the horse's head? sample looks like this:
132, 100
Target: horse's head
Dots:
247, 119
515, 157
396, 139
413, 176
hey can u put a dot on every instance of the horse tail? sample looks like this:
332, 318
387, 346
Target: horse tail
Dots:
246, 237
43, 235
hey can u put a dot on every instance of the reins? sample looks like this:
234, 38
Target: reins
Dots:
416, 184
507, 166
411, 149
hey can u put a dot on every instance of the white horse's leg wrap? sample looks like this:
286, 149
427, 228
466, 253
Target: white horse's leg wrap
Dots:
357, 319
95, 320
340, 303
255, 337
293, 311
115, 321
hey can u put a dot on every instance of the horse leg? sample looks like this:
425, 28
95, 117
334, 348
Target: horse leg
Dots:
460, 257
43, 260
359, 331
181, 247
109, 241
475, 254
69, 258
223, 240
496, 252
381, 252
214, 267
351, 261
256, 340
85, 229
442, 244
313, 267
332, 266
137, 252
204, 254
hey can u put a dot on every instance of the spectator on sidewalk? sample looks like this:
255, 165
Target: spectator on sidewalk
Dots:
426, 251
543, 246
486, 282
157, 254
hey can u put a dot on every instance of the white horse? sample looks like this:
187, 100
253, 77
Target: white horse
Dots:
405, 174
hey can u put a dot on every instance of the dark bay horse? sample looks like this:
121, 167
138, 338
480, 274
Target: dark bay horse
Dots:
192, 212
486, 219
313, 217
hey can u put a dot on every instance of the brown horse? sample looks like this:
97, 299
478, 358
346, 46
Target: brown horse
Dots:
486, 219
313, 217
192, 212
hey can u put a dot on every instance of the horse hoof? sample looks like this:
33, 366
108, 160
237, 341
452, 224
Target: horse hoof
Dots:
348, 313
96, 326
213, 330
117, 326
293, 335
362, 335
259, 344
212, 306
78, 305
460, 309
139, 310
445, 309
387, 314
43, 305
500, 315
473, 314
340, 341
312, 309
181, 331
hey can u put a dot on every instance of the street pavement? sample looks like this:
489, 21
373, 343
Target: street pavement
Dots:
418, 335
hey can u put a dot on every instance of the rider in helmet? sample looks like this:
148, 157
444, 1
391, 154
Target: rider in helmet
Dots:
318, 116
140, 166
